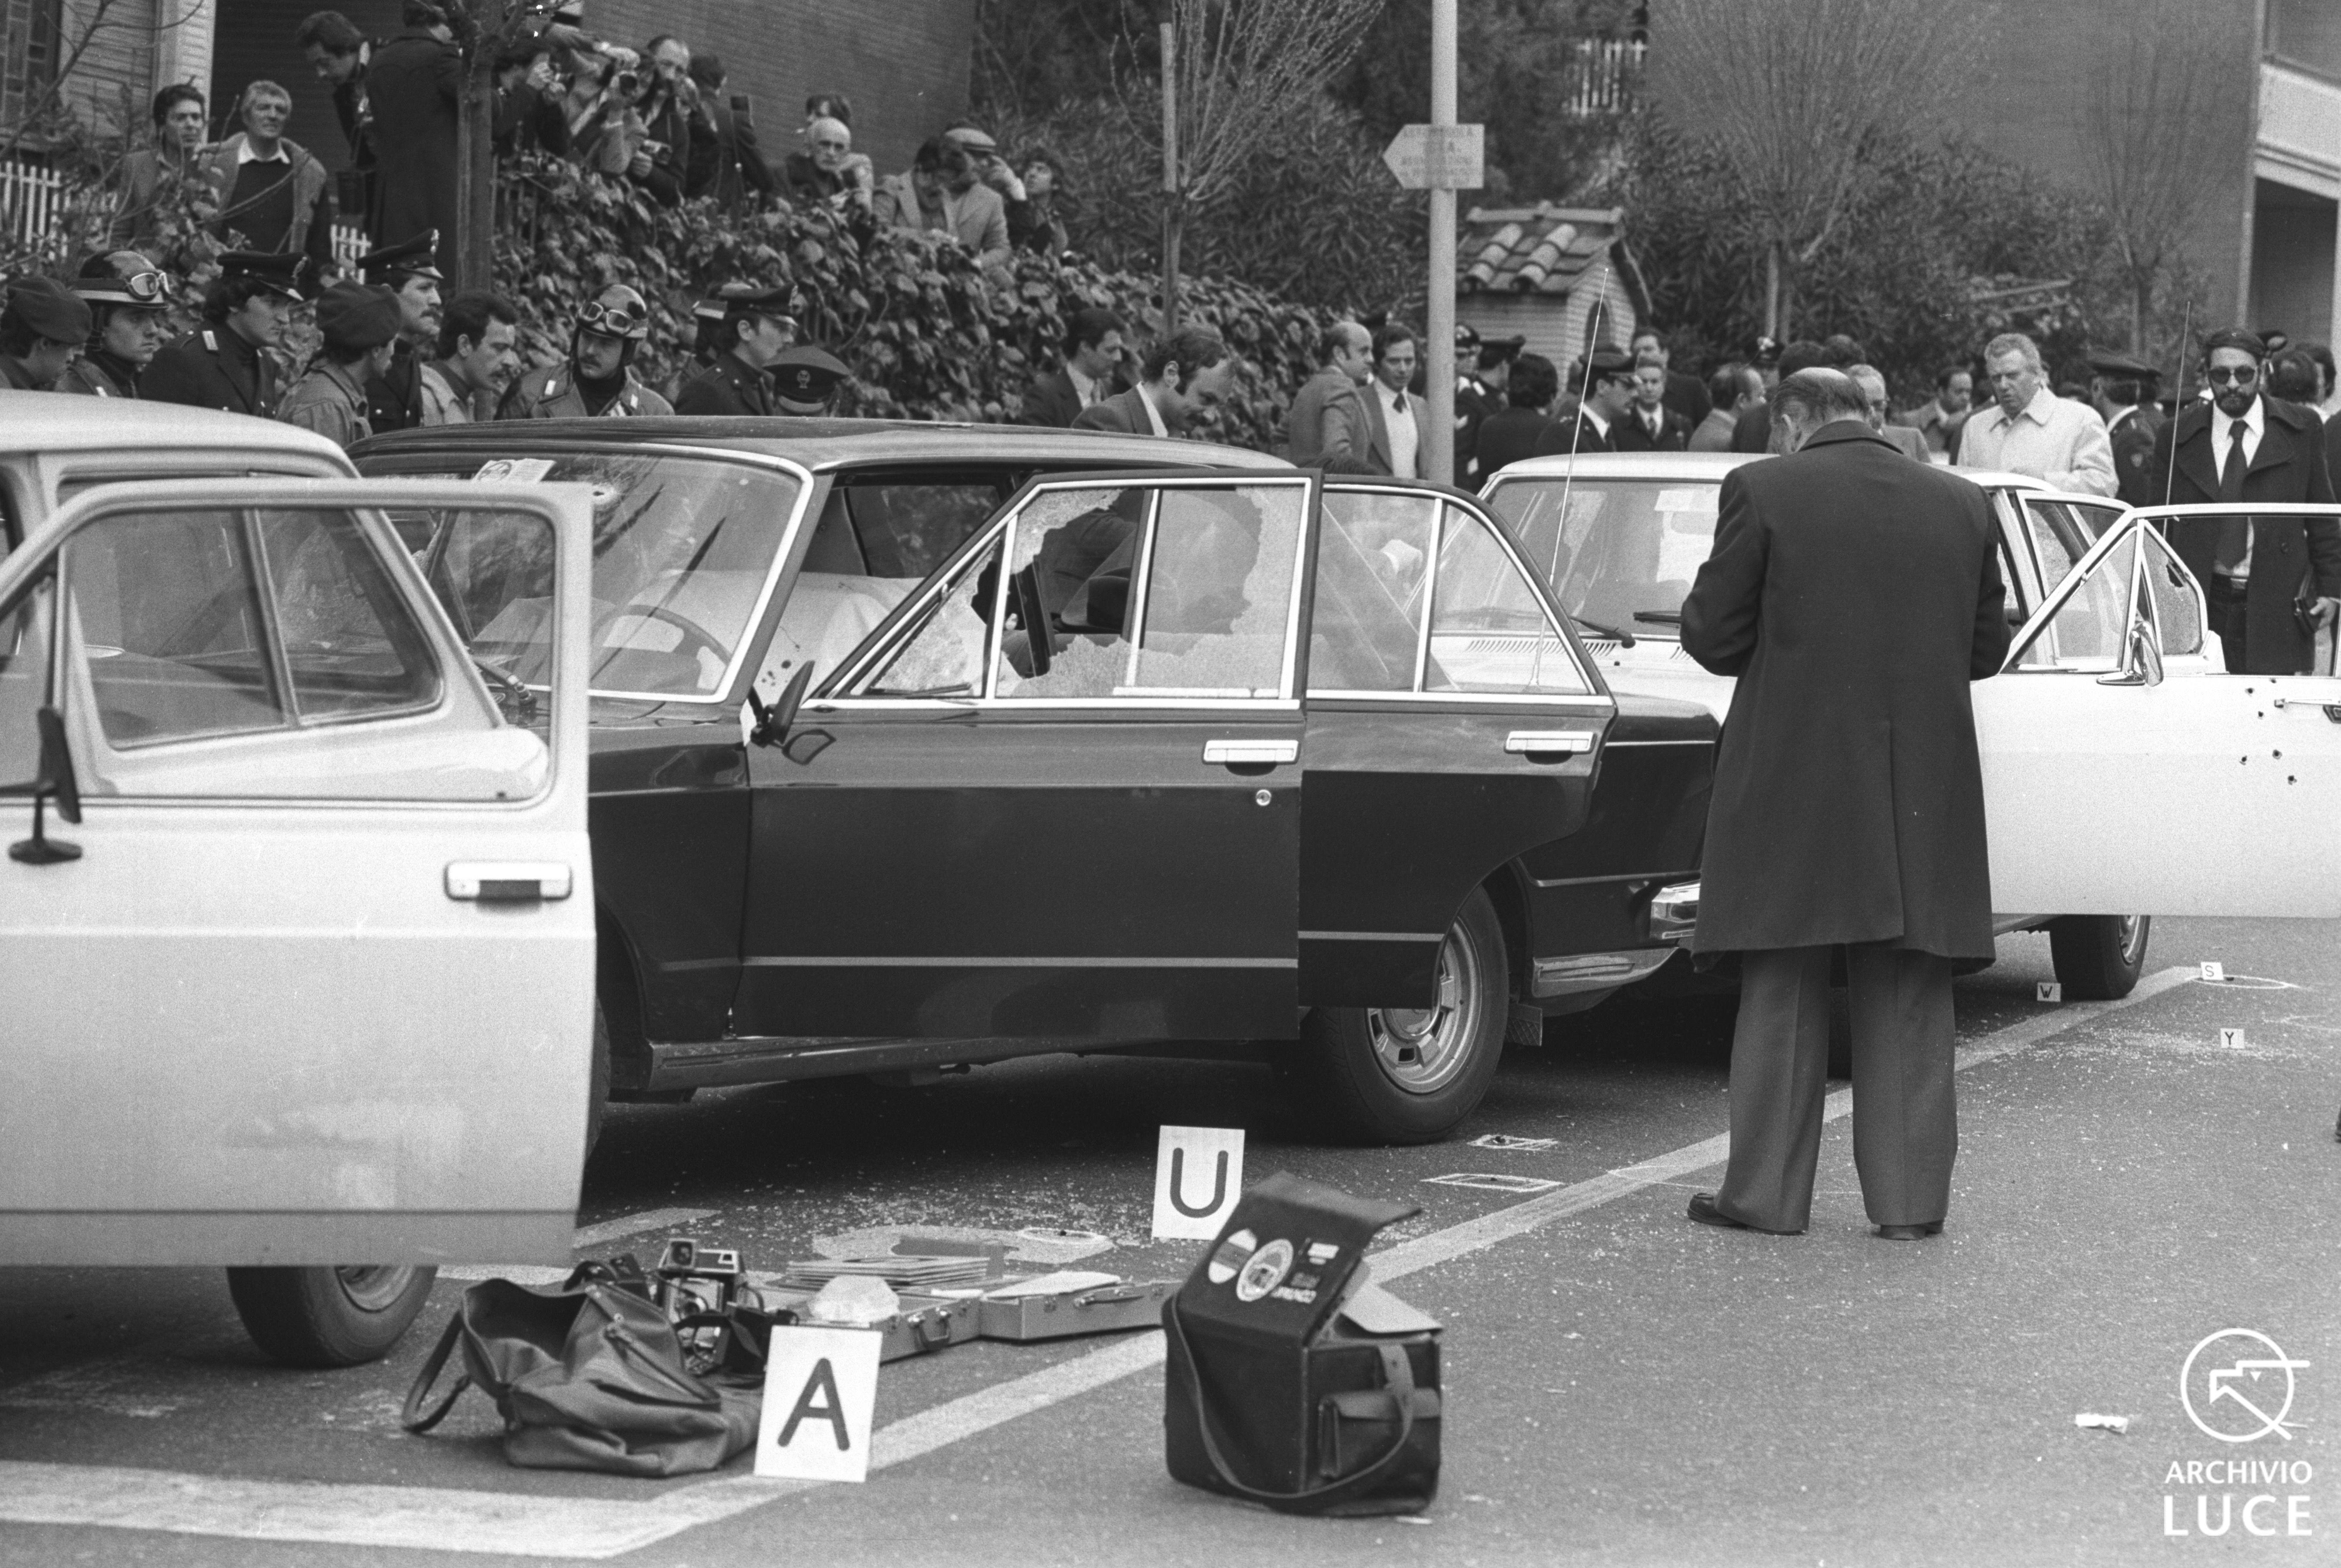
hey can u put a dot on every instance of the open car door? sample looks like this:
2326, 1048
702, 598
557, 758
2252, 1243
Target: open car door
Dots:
2123, 772
307, 976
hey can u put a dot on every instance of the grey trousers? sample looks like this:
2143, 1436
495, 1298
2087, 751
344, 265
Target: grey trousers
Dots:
1905, 1122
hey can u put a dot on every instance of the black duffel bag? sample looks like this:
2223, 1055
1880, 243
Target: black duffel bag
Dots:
1270, 1395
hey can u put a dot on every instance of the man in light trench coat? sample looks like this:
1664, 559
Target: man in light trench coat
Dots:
1854, 594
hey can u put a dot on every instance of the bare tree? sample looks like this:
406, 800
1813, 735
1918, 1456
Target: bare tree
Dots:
2167, 115
484, 30
1794, 93
1236, 69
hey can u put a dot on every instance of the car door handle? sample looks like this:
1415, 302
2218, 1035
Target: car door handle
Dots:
1238, 753
508, 881
2331, 710
1529, 742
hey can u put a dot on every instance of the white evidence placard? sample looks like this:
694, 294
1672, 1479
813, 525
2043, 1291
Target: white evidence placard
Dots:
821, 1388
1198, 1176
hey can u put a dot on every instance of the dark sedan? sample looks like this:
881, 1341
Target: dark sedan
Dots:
915, 748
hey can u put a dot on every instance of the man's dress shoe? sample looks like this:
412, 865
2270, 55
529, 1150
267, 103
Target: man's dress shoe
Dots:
1908, 1232
1703, 1209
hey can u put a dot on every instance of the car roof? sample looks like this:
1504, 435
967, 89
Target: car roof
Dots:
1702, 465
60, 422
822, 444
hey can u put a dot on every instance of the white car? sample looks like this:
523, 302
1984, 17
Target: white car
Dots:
296, 934
1621, 537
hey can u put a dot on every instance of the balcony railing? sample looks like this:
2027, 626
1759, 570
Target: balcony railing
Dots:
1603, 76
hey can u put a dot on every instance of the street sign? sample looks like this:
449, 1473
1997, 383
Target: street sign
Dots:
1438, 157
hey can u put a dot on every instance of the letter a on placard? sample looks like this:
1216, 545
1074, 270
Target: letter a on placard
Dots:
820, 1386
1198, 1176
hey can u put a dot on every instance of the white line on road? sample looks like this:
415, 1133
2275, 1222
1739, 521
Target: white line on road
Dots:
447, 1518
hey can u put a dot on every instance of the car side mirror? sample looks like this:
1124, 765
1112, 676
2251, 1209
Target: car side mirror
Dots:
56, 781
2142, 665
771, 725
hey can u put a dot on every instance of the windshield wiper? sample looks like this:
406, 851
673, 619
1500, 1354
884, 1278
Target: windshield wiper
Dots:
1621, 638
1660, 617
522, 709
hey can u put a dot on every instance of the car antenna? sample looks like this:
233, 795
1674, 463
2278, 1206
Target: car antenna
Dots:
2178, 399
1568, 481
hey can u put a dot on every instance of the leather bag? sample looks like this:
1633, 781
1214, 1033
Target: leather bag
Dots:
593, 1377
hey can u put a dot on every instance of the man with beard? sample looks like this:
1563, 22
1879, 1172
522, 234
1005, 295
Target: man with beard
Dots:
128, 297
598, 382
223, 364
2261, 576
410, 271
479, 357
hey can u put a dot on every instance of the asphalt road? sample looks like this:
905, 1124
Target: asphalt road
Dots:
1624, 1387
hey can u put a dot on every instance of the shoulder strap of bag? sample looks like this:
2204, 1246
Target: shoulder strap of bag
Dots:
410, 1418
1398, 1377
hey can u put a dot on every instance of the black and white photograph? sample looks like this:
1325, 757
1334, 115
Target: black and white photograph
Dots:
1025, 783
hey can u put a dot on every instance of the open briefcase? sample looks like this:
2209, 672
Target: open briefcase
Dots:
1287, 1388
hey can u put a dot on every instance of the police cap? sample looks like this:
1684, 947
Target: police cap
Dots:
280, 271
1607, 363
737, 300
358, 316
803, 377
49, 309
2117, 366
413, 258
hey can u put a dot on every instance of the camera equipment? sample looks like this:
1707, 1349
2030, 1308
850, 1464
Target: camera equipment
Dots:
627, 84
694, 1277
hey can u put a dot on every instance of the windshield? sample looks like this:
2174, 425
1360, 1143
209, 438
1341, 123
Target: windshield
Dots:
683, 549
1625, 554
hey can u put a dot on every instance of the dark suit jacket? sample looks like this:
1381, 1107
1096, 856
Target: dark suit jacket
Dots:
212, 367
1473, 405
729, 385
412, 84
1630, 434
1326, 426
1686, 395
1854, 594
1753, 429
1052, 401
2289, 466
2133, 441
1509, 435
1124, 414
1576, 433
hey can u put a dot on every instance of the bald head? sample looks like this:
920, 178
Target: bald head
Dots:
1810, 399
1348, 348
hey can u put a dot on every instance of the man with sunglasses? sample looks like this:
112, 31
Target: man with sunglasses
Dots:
2033, 431
757, 327
2270, 580
598, 382
129, 300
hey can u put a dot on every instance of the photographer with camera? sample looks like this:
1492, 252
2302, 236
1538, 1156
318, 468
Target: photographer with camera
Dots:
606, 134
671, 116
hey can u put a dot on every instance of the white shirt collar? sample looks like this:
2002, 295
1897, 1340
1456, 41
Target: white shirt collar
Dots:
2255, 420
1083, 387
2038, 409
244, 154
1388, 393
1599, 424
1154, 414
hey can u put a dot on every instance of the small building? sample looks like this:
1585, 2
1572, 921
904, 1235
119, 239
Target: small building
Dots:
1559, 277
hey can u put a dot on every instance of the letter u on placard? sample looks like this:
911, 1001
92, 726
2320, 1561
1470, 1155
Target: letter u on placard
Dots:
1198, 1176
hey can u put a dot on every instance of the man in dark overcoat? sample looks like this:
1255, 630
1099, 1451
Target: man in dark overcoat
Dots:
2246, 446
1854, 594
413, 85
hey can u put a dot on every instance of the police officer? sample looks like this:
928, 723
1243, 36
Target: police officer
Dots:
598, 382
359, 323
42, 331
2123, 390
757, 327
128, 298
223, 363
805, 381
394, 398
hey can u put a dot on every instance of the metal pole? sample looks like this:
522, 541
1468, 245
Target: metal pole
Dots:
1170, 214
1439, 433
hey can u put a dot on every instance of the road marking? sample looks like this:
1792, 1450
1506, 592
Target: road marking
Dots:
446, 1519
609, 1230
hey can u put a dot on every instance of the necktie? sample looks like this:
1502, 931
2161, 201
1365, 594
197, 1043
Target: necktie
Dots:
1398, 402
2234, 533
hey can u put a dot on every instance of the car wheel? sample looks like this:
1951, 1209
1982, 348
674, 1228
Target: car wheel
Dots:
597, 1092
336, 1316
1411, 1075
2099, 958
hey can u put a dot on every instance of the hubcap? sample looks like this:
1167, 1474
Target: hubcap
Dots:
373, 1287
1421, 1049
2132, 934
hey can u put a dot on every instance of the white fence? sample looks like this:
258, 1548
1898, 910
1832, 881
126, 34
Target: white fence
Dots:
1603, 76
34, 203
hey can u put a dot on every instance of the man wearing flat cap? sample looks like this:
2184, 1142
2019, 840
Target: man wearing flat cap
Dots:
42, 331
223, 364
2122, 391
805, 381
359, 322
757, 327
127, 298
410, 270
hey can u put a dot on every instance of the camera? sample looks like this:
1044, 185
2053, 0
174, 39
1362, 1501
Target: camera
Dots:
693, 1277
627, 84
